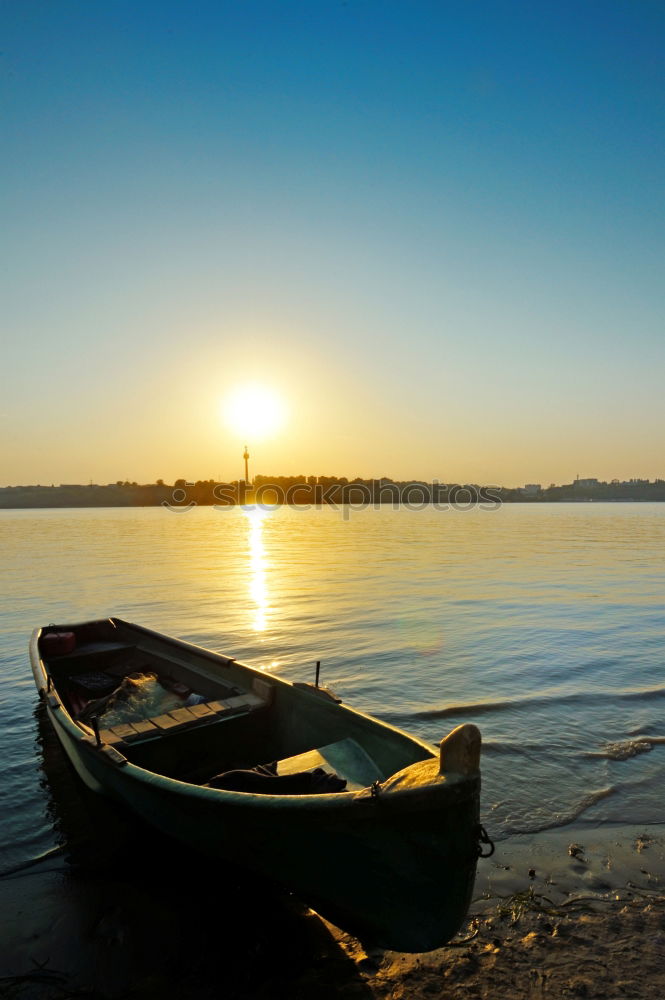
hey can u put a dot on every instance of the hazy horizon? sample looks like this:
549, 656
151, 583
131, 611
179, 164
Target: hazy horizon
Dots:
266, 478
433, 232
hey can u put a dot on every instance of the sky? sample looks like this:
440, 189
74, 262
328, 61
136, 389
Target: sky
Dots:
433, 231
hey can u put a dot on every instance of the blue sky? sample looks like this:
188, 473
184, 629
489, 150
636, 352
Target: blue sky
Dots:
435, 228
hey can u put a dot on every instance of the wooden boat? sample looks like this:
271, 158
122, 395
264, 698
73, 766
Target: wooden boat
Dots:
391, 858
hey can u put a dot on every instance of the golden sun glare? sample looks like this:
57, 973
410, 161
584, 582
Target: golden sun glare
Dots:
254, 412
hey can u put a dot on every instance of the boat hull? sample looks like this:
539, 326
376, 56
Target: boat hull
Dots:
396, 868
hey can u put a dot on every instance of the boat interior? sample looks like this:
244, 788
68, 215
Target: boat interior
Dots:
190, 714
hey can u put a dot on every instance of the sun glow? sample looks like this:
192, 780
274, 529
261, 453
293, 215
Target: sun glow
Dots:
254, 412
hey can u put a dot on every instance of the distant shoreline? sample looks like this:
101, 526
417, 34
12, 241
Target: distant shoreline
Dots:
321, 491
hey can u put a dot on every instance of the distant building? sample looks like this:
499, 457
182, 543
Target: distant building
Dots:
586, 484
532, 489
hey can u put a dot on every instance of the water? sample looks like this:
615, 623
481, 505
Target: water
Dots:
542, 624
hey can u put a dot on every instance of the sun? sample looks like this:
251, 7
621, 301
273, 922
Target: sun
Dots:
253, 412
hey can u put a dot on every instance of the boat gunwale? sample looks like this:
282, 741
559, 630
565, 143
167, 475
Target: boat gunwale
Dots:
311, 802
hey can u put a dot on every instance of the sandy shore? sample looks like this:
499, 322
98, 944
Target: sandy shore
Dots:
614, 951
577, 913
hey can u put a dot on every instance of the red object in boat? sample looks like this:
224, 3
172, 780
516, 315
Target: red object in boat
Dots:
57, 643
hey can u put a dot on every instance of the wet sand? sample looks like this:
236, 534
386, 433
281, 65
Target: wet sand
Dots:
579, 912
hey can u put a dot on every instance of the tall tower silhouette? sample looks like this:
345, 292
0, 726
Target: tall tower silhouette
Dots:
246, 457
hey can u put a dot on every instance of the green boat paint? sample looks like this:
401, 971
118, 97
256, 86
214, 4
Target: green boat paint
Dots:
393, 862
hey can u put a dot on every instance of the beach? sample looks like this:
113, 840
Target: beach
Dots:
579, 913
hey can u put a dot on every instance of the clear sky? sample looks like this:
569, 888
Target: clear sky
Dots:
434, 229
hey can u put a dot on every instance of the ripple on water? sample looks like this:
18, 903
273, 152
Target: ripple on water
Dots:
543, 623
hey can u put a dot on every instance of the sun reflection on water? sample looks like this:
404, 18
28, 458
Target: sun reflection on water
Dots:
258, 590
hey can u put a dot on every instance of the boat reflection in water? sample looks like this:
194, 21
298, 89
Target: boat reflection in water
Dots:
119, 906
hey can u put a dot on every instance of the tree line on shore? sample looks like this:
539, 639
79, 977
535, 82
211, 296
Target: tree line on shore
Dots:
314, 490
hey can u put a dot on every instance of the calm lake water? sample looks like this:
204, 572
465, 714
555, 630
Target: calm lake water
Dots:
544, 625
